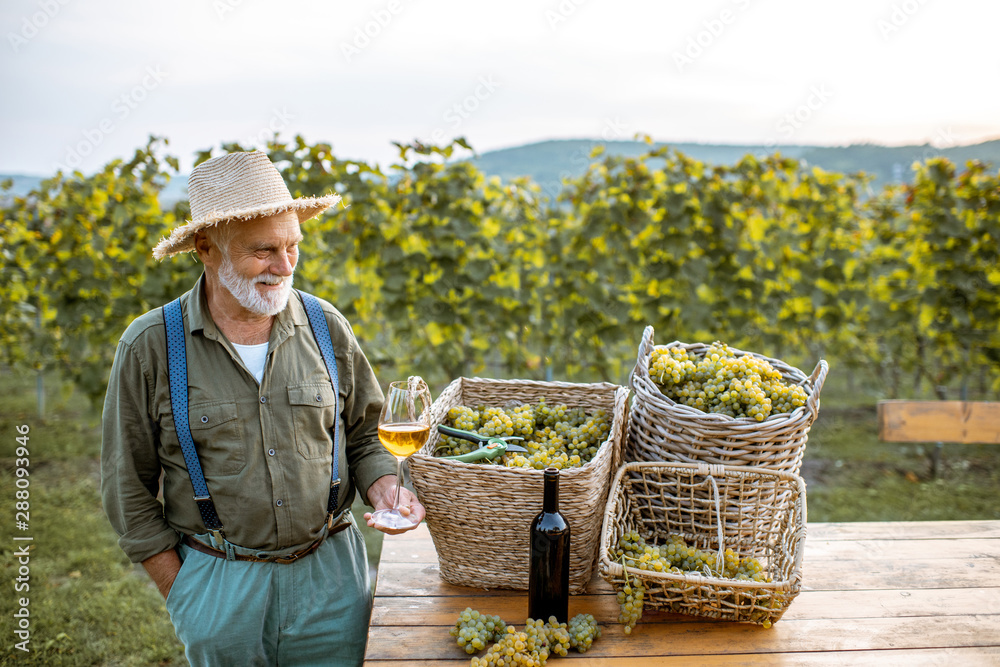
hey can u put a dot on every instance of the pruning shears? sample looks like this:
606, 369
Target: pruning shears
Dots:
489, 447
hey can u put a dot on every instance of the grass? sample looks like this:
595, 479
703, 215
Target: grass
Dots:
851, 476
90, 606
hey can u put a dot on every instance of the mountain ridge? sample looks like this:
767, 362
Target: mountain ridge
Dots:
549, 161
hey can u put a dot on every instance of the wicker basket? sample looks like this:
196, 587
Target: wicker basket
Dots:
755, 512
479, 516
662, 430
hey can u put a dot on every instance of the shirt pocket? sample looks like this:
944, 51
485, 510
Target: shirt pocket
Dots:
314, 407
218, 437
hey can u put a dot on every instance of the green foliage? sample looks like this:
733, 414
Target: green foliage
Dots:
444, 272
77, 256
934, 284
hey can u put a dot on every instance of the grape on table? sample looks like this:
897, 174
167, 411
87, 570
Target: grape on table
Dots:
473, 630
532, 646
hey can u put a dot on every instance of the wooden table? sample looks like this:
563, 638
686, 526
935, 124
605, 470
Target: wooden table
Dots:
917, 593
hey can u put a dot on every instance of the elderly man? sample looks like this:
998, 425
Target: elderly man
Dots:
262, 433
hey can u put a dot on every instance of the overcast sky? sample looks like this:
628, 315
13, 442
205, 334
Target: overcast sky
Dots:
85, 81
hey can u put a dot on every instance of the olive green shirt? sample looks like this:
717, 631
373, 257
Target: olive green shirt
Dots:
265, 449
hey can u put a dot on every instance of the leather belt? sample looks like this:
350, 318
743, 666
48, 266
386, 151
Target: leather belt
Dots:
290, 558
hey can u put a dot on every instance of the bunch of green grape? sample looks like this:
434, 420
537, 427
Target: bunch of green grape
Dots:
466, 419
551, 634
555, 436
631, 599
515, 648
473, 630
533, 646
677, 557
723, 383
583, 630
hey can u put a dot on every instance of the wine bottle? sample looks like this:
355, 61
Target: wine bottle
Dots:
548, 574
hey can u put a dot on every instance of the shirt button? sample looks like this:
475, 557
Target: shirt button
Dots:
263, 399
318, 397
270, 452
204, 419
278, 502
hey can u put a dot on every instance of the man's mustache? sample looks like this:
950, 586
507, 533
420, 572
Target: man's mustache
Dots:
270, 279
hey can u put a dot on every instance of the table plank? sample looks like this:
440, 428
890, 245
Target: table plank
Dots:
864, 574
903, 530
418, 534
829, 540
443, 611
721, 638
941, 657
898, 550
816, 549
408, 579
847, 530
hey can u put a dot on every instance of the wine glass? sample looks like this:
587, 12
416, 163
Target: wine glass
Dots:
403, 428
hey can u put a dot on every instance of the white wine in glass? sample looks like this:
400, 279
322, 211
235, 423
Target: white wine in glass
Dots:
404, 438
403, 428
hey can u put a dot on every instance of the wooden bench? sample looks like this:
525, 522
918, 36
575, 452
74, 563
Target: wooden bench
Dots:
966, 422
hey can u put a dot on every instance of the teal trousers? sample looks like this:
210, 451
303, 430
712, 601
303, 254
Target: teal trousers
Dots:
314, 611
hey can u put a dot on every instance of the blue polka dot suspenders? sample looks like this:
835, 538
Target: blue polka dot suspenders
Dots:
177, 375
321, 332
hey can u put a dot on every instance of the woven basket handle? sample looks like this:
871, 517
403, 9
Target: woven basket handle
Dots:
817, 379
645, 348
712, 471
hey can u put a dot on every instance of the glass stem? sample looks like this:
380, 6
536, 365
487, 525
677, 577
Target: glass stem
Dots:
399, 479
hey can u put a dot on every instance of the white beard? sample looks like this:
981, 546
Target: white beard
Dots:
246, 294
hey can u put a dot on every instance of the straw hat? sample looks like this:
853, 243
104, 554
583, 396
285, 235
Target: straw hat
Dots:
237, 186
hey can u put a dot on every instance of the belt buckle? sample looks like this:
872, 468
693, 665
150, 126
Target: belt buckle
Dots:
291, 558
218, 540
285, 560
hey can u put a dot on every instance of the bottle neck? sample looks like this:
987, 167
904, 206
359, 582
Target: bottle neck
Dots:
550, 499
